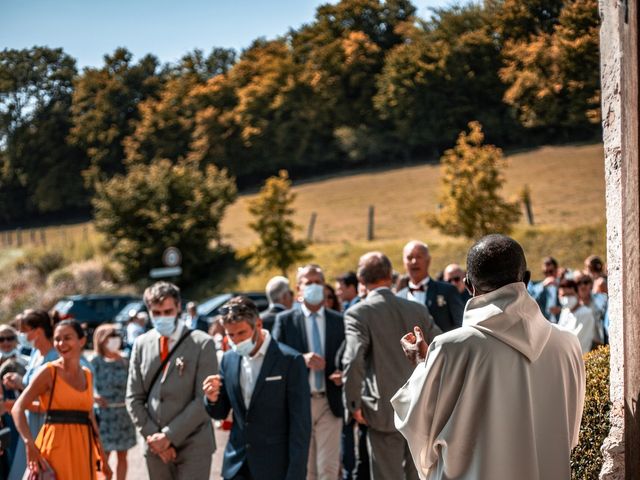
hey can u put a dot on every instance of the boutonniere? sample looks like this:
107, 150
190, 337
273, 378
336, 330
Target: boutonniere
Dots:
440, 300
180, 365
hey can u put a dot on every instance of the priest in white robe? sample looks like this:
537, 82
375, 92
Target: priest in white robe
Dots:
501, 397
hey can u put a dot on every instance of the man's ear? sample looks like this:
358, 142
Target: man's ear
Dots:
526, 277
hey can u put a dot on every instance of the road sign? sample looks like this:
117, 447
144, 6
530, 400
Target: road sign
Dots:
165, 272
172, 257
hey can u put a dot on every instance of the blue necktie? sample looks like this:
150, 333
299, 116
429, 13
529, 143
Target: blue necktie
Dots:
317, 348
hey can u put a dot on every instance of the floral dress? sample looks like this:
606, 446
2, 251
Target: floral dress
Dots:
116, 429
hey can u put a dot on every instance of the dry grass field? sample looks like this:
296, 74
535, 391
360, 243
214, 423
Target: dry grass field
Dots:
567, 189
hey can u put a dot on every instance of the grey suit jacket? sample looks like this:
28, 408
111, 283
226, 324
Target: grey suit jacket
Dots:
176, 398
375, 365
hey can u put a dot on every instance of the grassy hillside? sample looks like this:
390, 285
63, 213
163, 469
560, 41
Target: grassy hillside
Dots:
567, 190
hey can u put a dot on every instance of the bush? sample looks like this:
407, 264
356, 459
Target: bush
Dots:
586, 458
44, 261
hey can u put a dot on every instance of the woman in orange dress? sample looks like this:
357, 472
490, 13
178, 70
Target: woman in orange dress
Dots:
68, 441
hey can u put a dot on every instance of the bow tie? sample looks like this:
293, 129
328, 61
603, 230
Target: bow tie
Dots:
419, 288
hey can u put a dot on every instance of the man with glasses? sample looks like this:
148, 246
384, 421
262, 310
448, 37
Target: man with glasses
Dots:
265, 384
318, 333
454, 275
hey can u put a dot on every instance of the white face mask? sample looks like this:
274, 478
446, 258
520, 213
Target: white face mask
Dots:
243, 348
313, 294
568, 302
113, 344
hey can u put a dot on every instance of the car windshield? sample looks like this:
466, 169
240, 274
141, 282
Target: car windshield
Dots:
208, 307
129, 310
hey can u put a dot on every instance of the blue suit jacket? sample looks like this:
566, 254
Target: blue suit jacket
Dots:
444, 303
290, 329
273, 435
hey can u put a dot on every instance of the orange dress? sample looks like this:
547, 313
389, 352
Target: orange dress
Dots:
69, 447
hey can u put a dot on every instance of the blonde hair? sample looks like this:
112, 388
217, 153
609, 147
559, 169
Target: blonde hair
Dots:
100, 337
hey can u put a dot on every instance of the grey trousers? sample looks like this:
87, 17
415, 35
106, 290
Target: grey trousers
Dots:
389, 456
189, 465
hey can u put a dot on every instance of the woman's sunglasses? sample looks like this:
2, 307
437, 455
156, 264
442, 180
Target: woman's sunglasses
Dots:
7, 339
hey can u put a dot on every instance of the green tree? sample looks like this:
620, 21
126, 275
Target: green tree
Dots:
159, 205
272, 210
552, 74
105, 108
38, 170
471, 179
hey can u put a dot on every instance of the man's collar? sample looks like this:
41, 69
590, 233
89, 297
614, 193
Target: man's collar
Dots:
278, 305
265, 344
425, 281
307, 312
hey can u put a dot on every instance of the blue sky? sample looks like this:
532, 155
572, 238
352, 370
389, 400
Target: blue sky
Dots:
87, 29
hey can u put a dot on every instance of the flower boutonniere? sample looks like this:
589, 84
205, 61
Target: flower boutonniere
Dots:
440, 301
180, 365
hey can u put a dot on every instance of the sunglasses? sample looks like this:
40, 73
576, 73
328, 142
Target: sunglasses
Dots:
454, 279
235, 309
7, 339
113, 334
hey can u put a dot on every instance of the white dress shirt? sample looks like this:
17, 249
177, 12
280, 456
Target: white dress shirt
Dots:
419, 297
320, 318
250, 369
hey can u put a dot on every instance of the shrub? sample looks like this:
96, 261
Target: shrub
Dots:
586, 458
44, 261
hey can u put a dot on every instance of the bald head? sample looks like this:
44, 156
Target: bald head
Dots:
416, 259
454, 275
495, 261
375, 270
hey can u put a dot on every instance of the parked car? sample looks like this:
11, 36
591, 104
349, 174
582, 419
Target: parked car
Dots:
92, 310
209, 308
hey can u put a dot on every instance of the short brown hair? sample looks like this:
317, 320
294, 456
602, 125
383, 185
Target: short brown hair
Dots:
374, 267
239, 309
159, 291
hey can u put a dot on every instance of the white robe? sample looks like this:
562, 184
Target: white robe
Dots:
499, 398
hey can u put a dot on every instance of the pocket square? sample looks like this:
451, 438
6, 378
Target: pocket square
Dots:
273, 379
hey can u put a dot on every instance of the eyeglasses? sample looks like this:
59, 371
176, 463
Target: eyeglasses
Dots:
7, 339
113, 334
454, 279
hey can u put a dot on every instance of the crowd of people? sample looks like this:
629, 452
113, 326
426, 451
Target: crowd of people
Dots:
372, 374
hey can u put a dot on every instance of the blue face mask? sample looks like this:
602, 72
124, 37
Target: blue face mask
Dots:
164, 325
22, 339
243, 348
313, 294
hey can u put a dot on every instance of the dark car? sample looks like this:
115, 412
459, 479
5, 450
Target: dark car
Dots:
209, 308
92, 310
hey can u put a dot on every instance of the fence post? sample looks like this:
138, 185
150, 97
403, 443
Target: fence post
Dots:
18, 237
9, 237
43, 237
370, 224
312, 226
525, 196
32, 236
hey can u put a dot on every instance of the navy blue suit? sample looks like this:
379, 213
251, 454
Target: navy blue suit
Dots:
269, 316
444, 303
272, 437
290, 329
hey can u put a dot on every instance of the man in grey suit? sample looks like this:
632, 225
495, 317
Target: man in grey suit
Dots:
375, 365
164, 391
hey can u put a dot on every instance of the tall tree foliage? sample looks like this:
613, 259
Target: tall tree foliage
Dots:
38, 171
159, 205
272, 211
105, 108
551, 69
472, 176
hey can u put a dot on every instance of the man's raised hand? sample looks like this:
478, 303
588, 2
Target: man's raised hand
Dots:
414, 345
